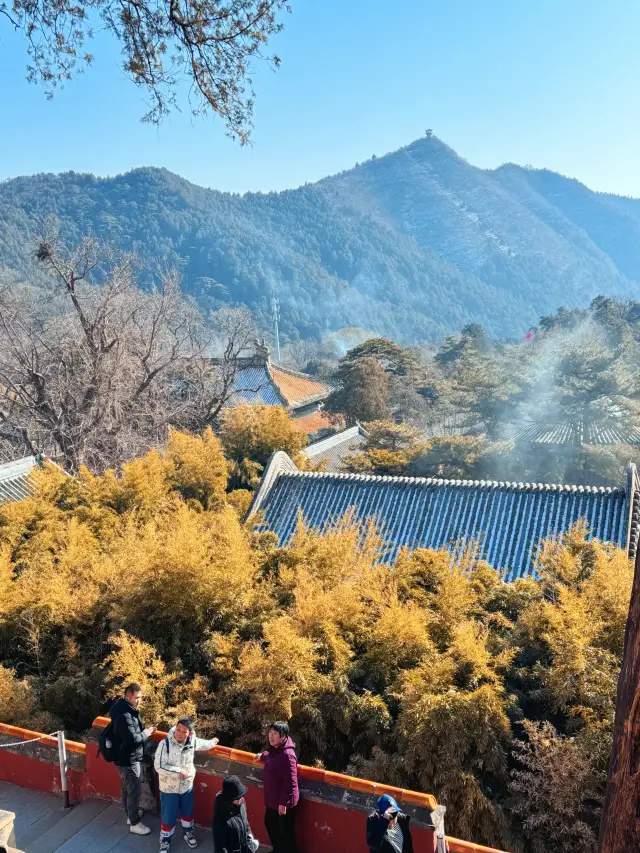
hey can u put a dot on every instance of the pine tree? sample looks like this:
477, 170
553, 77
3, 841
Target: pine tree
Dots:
362, 395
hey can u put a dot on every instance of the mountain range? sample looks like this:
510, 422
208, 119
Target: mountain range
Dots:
412, 245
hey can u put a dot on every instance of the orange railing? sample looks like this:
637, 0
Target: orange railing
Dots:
458, 846
317, 774
26, 734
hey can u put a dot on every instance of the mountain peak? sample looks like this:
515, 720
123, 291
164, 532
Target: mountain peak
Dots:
411, 245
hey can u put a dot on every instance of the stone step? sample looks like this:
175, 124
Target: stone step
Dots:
108, 832
40, 826
71, 823
35, 811
7, 820
95, 826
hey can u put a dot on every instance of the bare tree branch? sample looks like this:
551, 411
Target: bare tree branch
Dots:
210, 44
96, 375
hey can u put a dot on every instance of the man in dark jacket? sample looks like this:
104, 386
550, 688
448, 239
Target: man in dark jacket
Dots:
231, 830
388, 828
281, 794
129, 738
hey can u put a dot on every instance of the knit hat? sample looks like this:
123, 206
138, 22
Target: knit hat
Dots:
386, 802
233, 789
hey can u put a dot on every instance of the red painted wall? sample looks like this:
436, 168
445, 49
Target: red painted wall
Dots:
321, 827
40, 776
103, 780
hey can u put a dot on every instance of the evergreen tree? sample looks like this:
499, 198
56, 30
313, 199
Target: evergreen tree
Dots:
389, 449
363, 393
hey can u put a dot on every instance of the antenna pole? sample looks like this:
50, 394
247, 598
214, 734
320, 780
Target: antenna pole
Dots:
276, 323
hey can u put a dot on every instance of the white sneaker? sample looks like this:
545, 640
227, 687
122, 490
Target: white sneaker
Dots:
140, 813
139, 829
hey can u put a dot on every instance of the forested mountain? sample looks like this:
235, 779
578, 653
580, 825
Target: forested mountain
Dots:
411, 245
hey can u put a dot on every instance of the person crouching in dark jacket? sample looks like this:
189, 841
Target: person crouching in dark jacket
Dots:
388, 828
231, 830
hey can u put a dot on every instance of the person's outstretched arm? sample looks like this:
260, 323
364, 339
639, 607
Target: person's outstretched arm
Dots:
204, 745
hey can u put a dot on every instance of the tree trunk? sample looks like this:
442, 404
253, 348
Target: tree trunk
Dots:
620, 825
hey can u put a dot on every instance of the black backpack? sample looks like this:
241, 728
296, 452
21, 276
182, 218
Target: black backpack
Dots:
106, 743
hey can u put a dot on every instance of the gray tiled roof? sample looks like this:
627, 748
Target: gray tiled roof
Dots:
508, 520
14, 479
569, 433
254, 385
332, 450
270, 385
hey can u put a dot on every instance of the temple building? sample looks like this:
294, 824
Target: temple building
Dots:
261, 383
506, 521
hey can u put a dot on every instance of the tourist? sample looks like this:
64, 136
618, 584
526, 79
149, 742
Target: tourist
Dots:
175, 764
129, 738
231, 830
280, 780
388, 828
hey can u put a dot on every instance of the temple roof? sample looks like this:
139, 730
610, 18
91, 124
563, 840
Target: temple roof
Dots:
268, 385
506, 520
313, 423
298, 389
14, 479
332, 450
571, 433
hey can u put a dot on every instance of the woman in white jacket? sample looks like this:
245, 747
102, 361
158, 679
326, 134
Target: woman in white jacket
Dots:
175, 765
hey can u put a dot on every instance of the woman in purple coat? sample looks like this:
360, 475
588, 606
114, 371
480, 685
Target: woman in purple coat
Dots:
281, 795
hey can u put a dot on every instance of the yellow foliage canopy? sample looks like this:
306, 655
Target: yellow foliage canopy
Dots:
16, 698
251, 434
417, 675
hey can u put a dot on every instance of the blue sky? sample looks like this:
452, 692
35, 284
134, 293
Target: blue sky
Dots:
546, 83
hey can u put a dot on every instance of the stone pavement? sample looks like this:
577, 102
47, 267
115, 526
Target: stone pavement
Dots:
96, 826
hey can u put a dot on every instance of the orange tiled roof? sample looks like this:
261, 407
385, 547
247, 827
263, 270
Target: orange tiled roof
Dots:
313, 422
297, 388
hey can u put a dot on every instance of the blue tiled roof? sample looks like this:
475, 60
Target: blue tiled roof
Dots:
332, 450
508, 520
14, 479
571, 433
254, 385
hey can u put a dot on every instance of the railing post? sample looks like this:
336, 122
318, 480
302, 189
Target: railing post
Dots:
62, 755
437, 818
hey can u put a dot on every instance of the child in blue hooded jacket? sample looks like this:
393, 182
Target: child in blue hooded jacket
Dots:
388, 828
